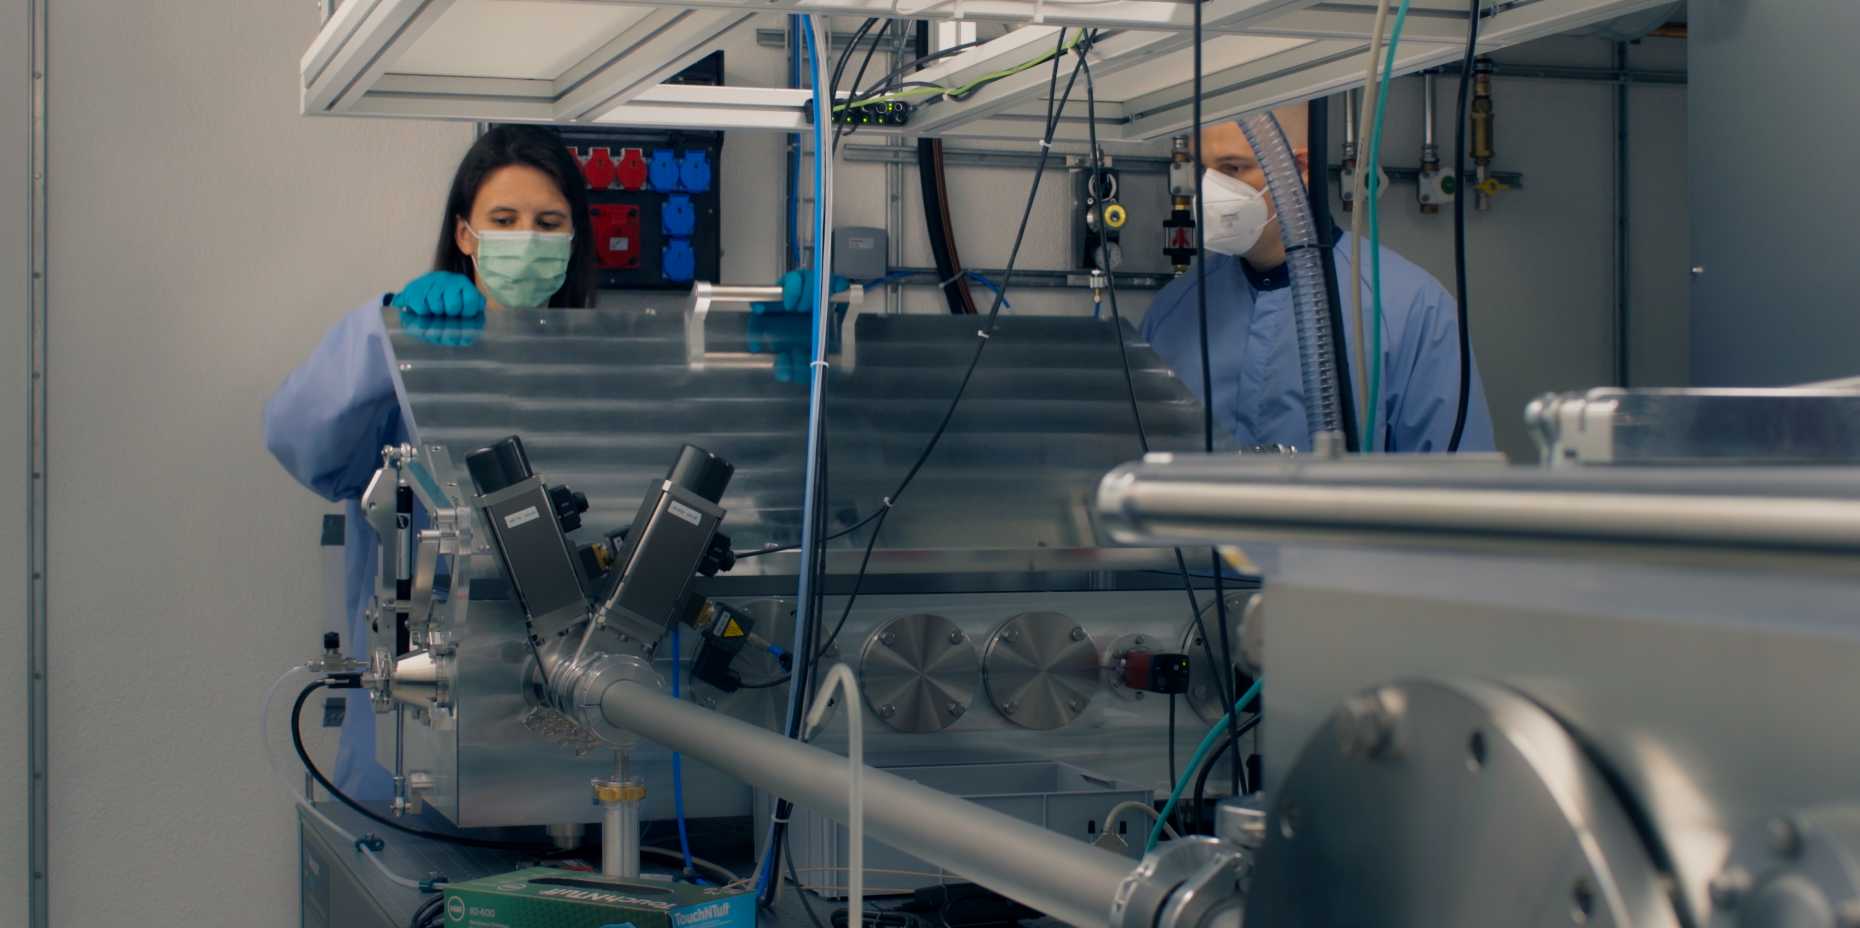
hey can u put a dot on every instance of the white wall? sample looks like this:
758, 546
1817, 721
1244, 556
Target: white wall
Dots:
203, 238
15, 180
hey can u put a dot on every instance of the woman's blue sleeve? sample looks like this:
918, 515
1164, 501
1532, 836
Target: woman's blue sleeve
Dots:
329, 419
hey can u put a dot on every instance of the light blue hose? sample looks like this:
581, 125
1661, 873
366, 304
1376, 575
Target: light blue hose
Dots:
816, 403
1373, 338
1208, 742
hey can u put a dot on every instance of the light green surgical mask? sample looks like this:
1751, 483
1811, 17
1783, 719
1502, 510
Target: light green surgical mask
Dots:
522, 270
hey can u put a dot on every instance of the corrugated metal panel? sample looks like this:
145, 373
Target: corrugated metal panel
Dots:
603, 398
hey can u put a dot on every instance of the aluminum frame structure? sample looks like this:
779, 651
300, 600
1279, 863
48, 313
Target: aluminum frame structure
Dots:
601, 62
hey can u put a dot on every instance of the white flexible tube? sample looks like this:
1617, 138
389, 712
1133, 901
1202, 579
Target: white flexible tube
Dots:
1118, 810
1367, 160
840, 679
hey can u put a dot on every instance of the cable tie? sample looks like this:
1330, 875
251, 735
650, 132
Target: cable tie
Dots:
888, 503
981, 333
821, 364
369, 841
1046, 144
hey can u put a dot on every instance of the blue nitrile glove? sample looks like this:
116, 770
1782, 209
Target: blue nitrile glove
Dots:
787, 336
441, 293
446, 331
797, 294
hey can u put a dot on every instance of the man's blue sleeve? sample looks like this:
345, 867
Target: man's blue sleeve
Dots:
1422, 419
329, 419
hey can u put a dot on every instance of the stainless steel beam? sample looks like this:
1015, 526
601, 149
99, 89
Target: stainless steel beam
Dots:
660, 46
1545, 72
679, 106
988, 157
1194, 499
334, 68
1065, 878
1108, 56
1331, 65
1036, 277
37, 316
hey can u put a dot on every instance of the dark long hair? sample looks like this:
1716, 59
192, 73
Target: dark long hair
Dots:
540, 148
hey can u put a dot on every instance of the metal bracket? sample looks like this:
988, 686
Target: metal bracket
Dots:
705, 296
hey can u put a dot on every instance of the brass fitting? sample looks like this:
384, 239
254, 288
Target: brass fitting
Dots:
609, 792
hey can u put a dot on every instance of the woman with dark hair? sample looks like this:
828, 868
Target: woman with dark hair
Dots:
515, 235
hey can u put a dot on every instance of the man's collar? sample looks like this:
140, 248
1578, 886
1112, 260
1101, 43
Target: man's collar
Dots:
1266, 281
1279, 277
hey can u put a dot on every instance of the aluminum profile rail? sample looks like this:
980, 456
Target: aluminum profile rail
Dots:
602, 62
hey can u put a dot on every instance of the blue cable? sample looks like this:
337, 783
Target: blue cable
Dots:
984, 281
1208, 742
1373, 338
678, 769
822, 153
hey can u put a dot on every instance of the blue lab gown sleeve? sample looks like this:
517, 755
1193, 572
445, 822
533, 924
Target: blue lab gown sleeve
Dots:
329, 419
326, 424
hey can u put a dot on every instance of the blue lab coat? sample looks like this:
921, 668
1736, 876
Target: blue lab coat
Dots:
1253, 353
327, 424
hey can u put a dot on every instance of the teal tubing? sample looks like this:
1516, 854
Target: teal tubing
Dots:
1212, 738
1373, 338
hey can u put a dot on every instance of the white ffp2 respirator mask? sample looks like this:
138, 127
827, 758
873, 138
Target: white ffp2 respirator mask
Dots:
1236, 214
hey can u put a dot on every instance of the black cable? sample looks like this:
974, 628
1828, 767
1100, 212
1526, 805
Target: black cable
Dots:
1459, 226
1207, 383
890, 81
1318, 119
303, 756
842, 533
423, 914
1172, 778
795, 878
1129, 389
1199, 800
847, 128
839, 67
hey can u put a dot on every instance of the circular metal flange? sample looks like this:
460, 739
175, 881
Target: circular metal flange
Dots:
1204, 686
765, 706
1114, 664
1451, 804
918, 673
1793, 871
1041, 669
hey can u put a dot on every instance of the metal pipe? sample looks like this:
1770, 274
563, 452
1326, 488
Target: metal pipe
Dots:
1623, 282
1064, 878
1182, 500
612, 824
1430, 148
619, 799
1349, 123
38, 722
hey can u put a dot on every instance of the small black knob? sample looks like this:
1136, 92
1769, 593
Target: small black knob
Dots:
568, 505
332, 641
